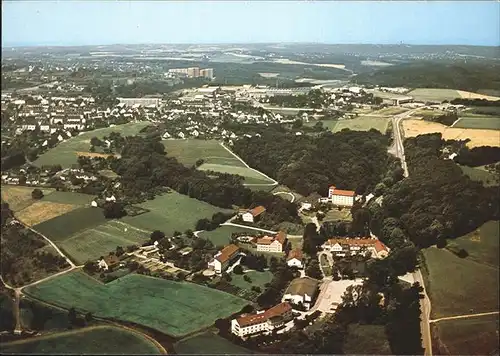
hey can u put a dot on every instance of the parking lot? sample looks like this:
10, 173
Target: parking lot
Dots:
331, 294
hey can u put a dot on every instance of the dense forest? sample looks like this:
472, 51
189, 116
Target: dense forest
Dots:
478, 156
430, 74
144, 169
348, 159
437, 201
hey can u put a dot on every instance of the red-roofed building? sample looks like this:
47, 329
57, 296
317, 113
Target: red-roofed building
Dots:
263, 321
341, 197
275, 243
341, 247
295, 258
223, 258
252, 215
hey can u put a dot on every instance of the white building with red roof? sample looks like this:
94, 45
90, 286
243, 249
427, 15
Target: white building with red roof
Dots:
341, 197
295, 258
223, 258
342, 247
252, 215
263, 321
275, 243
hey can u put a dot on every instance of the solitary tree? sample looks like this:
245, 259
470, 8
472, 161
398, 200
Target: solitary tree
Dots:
37, 194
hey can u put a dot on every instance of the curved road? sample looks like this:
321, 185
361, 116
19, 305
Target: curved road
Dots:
288, 193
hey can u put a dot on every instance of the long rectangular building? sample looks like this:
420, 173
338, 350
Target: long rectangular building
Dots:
262, 322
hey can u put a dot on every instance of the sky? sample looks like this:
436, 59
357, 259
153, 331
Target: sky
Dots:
92, 22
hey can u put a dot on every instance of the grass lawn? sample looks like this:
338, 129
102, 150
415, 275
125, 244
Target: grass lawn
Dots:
259, 279
336, 214
188, 152
62, 227
481, 244
98, 241
65, 153
174, 308
20, 197
251, 176
208, 343
477, 122
327, 269
459, 286
41, 211
471, 336
431, 94
222, 235
172, 211
92, 340
363, 123
366, 340
489, 179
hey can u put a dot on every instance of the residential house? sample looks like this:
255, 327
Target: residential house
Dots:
252, 215
341, 247
275, 243
108, 262
295, 258
263, 321
341, 197
223, 258
302, 291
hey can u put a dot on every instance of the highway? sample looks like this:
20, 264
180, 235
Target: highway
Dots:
397, 149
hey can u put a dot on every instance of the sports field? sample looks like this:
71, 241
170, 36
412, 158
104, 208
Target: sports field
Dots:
222, 235
216, 158
65, 153
172, 211
41, 211
208, 343
459, 286
363, 123
174, 308
94, 340
477, 137
479, 122
19, 197
471, 336
432, 94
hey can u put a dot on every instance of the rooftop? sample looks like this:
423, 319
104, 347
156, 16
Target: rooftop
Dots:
252, 319
303, 286
227, 252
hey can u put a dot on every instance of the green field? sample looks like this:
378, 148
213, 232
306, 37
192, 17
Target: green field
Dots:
222, 235
63, 226
481, 175
7, 322
188, 152
96, 340
65, 152
251, 176
479, 122
366, 340
174, 308
325, 265
41, 317
259, 279
363, 123
172, 211
19, 197
69, 198
208, 344
98, 241
216, 158
453, 284
481, 244
431, 94
471, 336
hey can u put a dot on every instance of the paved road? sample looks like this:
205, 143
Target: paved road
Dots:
249, 227
397, 149
287, 193
463, 316
274, 182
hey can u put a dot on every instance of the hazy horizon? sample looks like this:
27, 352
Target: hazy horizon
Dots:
94, 23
